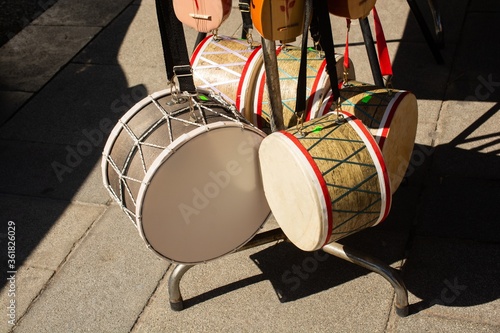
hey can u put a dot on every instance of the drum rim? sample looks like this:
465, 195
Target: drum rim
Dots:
319, 186
383, 130
163, 157
253, 66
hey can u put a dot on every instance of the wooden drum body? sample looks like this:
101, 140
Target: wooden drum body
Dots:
391, 116
186, 172
325, 182
229, 67
317, 82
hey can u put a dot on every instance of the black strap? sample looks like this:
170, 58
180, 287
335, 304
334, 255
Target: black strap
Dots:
300, 104
244, 6
315, 35
173, 42
322, 15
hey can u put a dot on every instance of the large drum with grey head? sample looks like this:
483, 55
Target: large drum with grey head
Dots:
185, 170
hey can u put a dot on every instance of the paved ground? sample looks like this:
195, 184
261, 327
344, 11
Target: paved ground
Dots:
17, 14
81, 266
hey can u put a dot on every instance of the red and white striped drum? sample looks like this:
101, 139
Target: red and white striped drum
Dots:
229, 67
326, 181
185, 171
391, 115
317, 85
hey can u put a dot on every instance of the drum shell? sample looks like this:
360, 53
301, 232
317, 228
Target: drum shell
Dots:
326, 183
392, 118
317, 83
353, 9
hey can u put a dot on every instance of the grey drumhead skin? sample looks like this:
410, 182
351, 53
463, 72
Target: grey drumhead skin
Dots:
203, 197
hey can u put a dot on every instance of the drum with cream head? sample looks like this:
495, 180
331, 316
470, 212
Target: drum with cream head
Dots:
391, 115
185, 170
324, 180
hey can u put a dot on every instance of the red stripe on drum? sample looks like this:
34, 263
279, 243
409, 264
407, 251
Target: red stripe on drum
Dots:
385, 124
321, 181
314, 91
260, 98
378, 160
249, 63
200, 48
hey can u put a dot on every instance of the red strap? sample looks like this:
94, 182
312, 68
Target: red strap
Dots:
346, 51
383, 52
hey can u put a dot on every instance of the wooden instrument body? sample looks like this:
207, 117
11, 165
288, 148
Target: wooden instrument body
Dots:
202, 15
281, 20
353, 9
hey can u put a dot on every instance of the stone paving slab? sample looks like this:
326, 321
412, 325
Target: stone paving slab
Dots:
78, 176
82, 104
458, 207
453, 279
247, 299
47, 229
46, 232
29, 282
475, 70
102, 287
27, 69
468, 131
437, 324
10, 102
132, 38
82, 13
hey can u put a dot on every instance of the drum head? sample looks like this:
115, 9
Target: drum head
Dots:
292, 181
206, 199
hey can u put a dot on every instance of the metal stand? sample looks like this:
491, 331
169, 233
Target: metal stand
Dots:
372, 53
375, 265
335, 249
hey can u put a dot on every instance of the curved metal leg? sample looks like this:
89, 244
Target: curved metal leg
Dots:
174, 291
174, 280
375, 265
